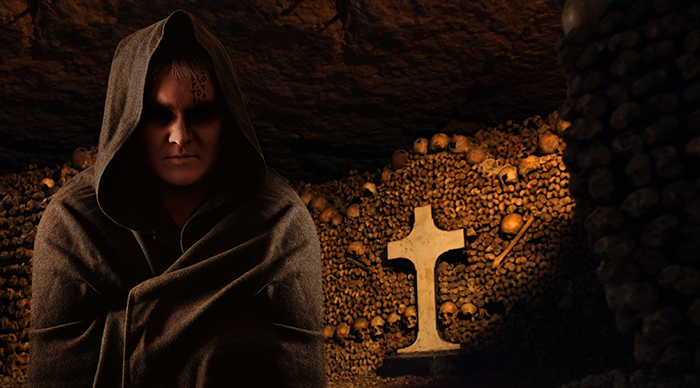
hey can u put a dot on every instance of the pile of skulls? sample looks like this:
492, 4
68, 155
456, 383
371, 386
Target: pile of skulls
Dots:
507, 188
23, 198
633, 73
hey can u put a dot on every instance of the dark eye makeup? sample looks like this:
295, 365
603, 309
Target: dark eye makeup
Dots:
204, 111
158, 114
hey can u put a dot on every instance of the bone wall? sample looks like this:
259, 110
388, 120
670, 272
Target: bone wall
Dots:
23, 198
546, 280
633, 152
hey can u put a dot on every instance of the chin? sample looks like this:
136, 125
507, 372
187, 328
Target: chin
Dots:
183, 180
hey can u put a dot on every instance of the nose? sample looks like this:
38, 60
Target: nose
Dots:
178, 134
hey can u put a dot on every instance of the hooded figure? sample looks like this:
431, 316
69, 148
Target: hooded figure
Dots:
131, 289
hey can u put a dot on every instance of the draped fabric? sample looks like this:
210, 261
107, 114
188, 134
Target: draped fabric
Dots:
123, 298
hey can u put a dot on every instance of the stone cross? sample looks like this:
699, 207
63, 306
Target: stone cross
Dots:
422, 247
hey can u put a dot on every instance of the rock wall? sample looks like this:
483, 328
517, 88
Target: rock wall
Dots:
53, 68
332, 85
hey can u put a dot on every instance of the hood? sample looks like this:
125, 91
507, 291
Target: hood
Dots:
118, 178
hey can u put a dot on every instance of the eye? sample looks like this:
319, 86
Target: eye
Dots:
203, 113
158, 115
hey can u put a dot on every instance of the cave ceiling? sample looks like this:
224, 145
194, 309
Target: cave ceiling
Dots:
331, 85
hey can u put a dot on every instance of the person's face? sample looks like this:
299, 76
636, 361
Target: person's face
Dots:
180, 128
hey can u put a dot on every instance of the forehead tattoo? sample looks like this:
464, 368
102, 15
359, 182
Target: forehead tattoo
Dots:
199, 94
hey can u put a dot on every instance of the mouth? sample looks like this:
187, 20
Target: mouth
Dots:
181, 159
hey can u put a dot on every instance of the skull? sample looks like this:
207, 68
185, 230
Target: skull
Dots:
694, 313
548, 143
625, 114
376, 326
337, 219
360, 329
627, 144
667, 163
604, 220
469, 310
489, 167
67, 172
420, 146
640, 201
613, 248
658, 326
410, 317
512, 223
596, 156
639, 169
353, 211
401, 309
356, 249
580, 13
369, 189
601, 183
508, 174
448, 313
476, 155
328, 332
318, 203
341, 332
306, 197
561, 126
47, 182
528, 164
386, 174
661, 129
438, 142
691, 210
459, 144
566, 302
685, 280
692, 148
81, 158
399, 159
393, 319
327, 215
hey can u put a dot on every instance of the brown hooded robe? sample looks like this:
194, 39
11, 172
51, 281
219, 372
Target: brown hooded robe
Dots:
123, 298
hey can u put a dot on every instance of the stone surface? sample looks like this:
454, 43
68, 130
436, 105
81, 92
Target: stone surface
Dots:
422, 247
54, 58
332, 85
443, 363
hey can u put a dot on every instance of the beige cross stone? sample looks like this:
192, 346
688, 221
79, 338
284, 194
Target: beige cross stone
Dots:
422, 247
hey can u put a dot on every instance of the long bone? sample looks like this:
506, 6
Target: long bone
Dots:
497, 261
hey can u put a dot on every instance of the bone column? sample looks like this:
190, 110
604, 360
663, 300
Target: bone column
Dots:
422, 247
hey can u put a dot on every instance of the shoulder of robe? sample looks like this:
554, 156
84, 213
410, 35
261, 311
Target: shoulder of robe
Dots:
278, 191
278, 197
76, 201
288, 201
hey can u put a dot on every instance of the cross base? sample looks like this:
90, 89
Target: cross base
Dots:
426, 344
446, 362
